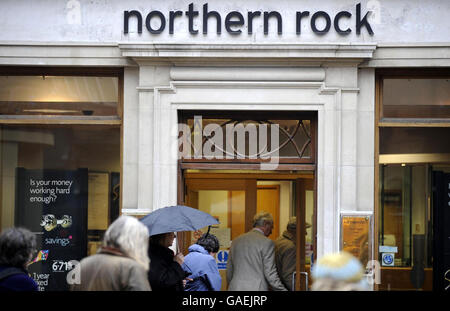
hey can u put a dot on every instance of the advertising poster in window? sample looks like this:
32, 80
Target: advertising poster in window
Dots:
53, 205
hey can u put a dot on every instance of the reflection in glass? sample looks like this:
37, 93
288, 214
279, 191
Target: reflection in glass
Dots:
58, 95
403, 209
416, 98
61, 148
58, 182
223, 137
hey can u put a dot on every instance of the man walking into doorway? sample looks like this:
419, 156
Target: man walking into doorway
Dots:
286, 252
251, 262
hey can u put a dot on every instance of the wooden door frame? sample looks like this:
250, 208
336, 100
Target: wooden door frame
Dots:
303, 185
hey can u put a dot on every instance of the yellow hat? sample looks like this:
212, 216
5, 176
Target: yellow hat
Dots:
339, 266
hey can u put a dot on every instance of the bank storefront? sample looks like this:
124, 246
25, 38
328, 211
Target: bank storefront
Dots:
335, 112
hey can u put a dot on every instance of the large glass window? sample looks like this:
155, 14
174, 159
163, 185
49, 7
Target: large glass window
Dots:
416, 98
414, 160
414, 140
227, 136
404, 210
58, 95
58, 178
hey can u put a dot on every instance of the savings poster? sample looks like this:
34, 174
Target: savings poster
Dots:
53, 205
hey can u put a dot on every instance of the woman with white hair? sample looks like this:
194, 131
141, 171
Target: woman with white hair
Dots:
121, 264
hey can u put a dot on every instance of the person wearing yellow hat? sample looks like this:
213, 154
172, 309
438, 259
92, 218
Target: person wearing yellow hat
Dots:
338, 272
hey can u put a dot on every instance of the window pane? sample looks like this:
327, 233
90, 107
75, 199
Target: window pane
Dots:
416, 98
404, 214
60, 182
399, 140
249, 139
58, 95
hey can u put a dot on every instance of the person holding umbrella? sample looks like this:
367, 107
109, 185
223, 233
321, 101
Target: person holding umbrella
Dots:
166, 273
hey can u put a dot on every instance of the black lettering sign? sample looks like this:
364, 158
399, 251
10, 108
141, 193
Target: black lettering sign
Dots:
234, 21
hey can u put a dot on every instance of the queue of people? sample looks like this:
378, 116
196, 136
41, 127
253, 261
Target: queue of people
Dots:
130, 260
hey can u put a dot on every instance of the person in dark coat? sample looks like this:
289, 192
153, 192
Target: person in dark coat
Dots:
165, 272
17, 247
201, 264
286, 252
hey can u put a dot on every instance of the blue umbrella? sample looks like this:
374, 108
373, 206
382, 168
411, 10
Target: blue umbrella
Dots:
177, 218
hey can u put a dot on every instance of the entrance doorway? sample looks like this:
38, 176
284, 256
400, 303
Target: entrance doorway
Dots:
234, 164
234, 197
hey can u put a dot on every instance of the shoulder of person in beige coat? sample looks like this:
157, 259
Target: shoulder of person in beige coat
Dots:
121, 263
107, 272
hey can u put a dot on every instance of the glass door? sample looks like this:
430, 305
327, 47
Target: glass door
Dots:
234, 201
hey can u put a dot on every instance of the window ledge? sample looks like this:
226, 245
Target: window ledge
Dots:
413, 122
49, 119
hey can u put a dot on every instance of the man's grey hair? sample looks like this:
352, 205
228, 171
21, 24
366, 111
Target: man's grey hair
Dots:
17, 247
261, 218
130, 236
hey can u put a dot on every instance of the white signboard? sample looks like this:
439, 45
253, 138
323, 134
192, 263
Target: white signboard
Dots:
241, 21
